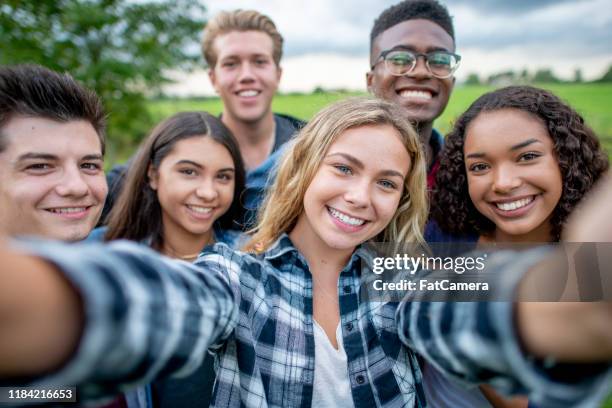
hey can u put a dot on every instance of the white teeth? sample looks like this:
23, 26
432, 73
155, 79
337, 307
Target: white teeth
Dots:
200, 210
345, 218
68, 210
407, 93
248, 93
514, 204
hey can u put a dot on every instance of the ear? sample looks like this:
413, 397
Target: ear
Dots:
213, 79
279, 73
369, 79
153, 177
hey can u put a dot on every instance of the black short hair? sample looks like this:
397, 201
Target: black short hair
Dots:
35, 91
430, 10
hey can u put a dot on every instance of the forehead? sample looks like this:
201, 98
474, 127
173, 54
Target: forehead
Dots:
241, 43
377, 146
419, 34
35, 134
201, 149
499, 130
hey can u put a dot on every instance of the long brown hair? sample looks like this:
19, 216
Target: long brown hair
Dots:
137, 214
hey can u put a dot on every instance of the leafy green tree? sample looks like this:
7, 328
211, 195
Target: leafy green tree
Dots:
123, 49
545, 75
472, 79
607, 76
578, 76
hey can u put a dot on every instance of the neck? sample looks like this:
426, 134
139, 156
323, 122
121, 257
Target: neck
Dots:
324, 261
255, 139
183, 245
424, 130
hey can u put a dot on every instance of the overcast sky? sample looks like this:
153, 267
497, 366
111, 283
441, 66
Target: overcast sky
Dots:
326, 41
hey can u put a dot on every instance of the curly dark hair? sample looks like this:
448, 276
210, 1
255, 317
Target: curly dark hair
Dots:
430, 10
581, 159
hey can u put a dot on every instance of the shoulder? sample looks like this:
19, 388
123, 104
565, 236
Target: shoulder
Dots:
233, 238
97, 235
288, 120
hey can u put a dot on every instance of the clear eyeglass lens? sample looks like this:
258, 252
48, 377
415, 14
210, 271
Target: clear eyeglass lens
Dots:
440, 64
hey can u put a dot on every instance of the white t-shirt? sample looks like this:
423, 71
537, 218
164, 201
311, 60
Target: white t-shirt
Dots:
332, 387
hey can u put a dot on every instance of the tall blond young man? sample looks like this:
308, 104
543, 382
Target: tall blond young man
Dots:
243, 50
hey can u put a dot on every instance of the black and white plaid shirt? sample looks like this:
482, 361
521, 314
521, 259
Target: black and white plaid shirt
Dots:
147, 316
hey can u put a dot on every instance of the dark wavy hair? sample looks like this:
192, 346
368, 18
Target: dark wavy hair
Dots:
579, 154
137, 215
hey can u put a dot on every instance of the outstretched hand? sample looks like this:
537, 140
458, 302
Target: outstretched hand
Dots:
592, 220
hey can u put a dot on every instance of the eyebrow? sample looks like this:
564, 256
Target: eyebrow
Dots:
357, 163
518, 146
49, 156
412, 49
199, 166
37, 156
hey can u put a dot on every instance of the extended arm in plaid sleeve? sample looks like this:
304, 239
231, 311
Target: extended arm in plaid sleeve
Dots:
478, 342
145, 315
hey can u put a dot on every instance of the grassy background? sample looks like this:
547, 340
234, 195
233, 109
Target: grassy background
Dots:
593, 101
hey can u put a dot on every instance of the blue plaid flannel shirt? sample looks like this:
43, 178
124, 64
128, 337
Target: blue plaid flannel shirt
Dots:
148, 316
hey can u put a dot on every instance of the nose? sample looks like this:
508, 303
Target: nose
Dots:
246, 72
505, 180
72, 183
420, 69
207, 190
358, 194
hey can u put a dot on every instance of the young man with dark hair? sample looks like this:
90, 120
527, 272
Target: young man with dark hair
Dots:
52, 181
412, 59
243, 49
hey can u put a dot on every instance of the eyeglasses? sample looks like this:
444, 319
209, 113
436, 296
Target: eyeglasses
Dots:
398, 62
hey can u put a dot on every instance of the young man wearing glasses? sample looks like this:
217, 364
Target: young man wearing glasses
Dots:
412, 58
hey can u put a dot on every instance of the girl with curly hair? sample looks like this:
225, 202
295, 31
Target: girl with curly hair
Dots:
516, 164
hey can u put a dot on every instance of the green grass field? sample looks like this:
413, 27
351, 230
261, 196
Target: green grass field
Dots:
593, 101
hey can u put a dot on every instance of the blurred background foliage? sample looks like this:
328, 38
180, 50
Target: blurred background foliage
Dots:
123, 50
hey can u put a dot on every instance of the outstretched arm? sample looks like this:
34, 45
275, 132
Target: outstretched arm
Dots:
105, 316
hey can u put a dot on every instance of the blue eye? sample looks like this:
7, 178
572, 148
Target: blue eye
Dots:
388, 184
343, 169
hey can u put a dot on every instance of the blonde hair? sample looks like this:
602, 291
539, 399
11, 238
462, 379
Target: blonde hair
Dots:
239, 20
284, 202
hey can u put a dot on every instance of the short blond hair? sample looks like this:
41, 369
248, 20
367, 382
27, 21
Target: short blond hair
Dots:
239, 20
284, 202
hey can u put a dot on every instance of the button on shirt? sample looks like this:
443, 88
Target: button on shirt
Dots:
147, 316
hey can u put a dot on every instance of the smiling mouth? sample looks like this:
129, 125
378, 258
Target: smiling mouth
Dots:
515, 205
200, 209
67, 210
249, 93
414, 94
346, 219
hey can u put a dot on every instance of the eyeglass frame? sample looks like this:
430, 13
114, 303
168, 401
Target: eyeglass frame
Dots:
417, 55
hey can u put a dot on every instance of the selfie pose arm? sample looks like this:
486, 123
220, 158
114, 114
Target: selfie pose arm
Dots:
107, 317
